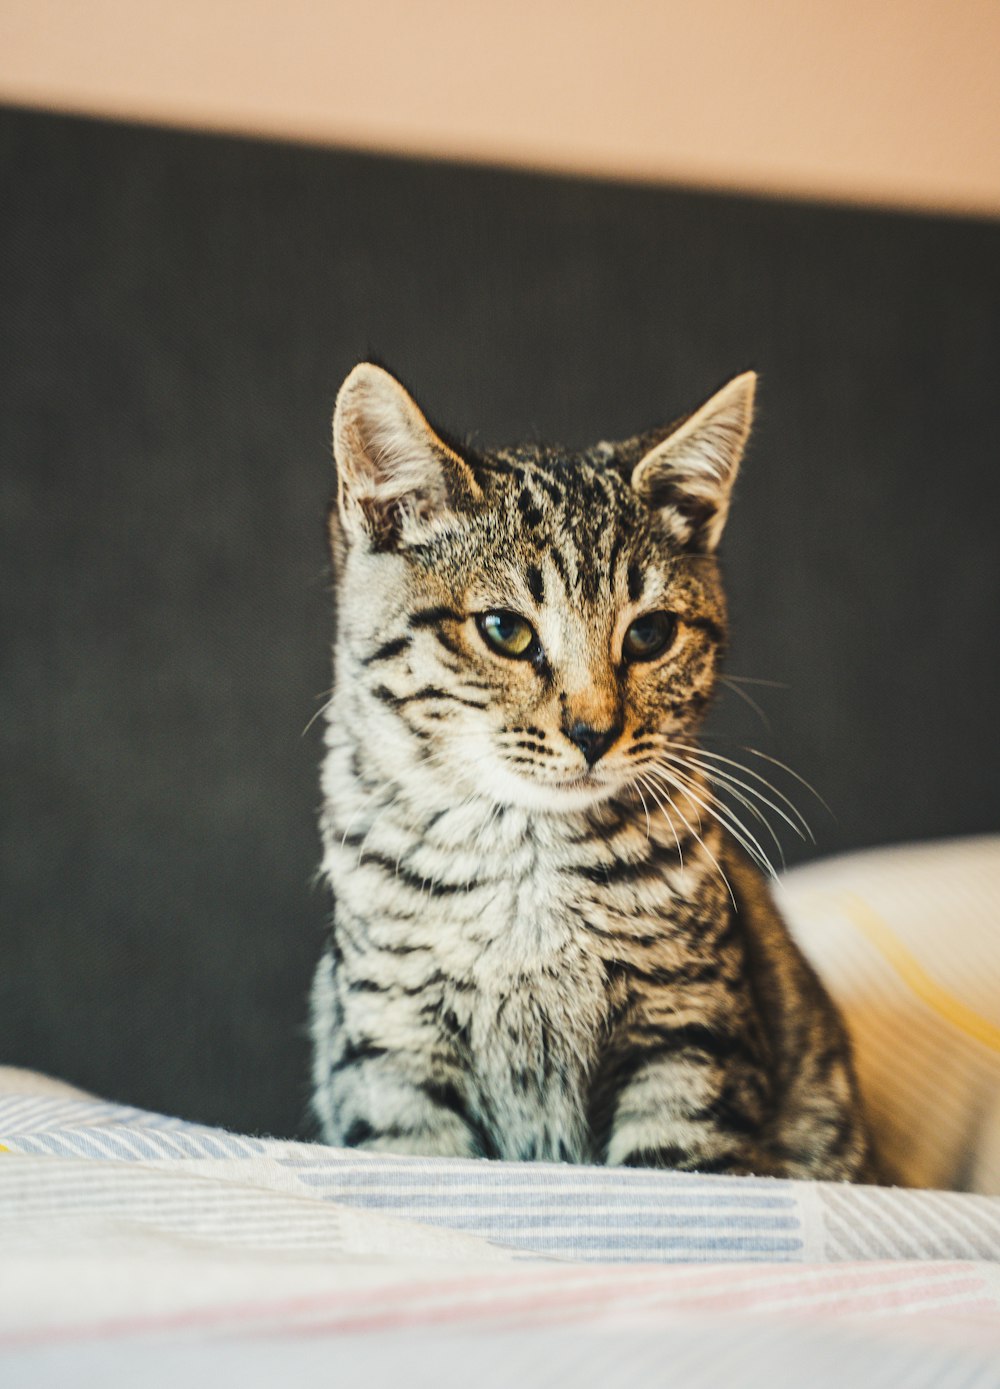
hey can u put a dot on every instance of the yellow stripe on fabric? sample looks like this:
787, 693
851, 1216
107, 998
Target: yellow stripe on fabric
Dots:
913, 974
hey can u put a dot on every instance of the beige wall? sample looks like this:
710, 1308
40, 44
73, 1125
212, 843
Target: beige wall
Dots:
886, 101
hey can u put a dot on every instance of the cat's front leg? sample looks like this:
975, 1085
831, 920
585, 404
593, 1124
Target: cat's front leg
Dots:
674, 1104
385, 1077
391, 1103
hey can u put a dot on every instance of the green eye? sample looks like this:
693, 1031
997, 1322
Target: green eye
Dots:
508, 634
649, 636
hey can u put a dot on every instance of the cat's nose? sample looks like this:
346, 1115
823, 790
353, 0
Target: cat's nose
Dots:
592, 742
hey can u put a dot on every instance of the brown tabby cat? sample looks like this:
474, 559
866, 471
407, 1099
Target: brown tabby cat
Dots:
547, 940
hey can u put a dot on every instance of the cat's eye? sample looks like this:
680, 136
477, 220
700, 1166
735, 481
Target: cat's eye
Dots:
508, 634
649, 636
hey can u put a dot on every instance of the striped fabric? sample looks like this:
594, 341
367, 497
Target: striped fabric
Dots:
545, 1210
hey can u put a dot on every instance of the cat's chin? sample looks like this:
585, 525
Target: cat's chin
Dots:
557, 797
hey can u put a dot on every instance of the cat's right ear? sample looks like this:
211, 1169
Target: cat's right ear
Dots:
688, 476
398, 483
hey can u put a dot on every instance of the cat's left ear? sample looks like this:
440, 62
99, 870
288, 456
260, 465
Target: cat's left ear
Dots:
689, 475
397, 481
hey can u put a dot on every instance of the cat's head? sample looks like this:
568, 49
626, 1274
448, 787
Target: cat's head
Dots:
533, 623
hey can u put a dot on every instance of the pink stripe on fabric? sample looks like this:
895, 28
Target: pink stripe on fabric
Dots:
612, 1296
893, 1298
576, 1293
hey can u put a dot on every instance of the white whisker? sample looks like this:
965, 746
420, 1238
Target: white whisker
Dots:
756, 680
633, 786
691, 830
328, 696
747, 699
720, 781
673, 828
728, 819
740, 766
800, 779
730, 781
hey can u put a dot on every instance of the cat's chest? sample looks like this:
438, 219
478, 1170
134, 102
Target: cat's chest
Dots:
532, 1009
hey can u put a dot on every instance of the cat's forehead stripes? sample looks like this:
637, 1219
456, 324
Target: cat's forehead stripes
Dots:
636, 581
531, 513
578, 519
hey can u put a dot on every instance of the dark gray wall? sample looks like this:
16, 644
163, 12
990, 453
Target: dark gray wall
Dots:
176, 312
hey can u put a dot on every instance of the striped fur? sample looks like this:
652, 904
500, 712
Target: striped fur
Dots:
543, 946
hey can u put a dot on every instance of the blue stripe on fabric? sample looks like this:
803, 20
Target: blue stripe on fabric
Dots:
646, 1245
128, 1144
411, 1193
676, 1243
513, 1219
37, 1114
343, 1162
80, 1143
629, 1216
